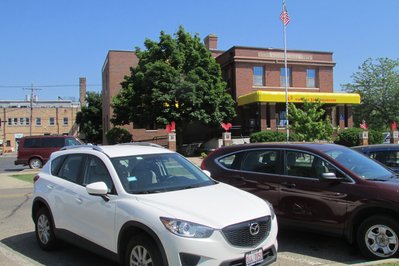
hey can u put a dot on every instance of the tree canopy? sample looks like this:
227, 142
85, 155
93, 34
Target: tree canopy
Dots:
176, 79
89, 118
377, 82
309, 122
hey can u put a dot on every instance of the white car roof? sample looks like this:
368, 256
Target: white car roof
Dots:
127, 149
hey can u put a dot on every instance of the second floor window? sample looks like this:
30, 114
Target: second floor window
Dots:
38, 121
27, 121
283, 78
258, 75
311, 78
65, 121
52, 121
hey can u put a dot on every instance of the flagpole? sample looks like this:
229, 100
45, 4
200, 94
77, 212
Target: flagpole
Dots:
286, 77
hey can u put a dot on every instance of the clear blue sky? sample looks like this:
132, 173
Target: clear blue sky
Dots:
50, 44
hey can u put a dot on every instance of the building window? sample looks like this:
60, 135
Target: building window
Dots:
65, 121
27, 121
258, 75
15, 121
38, 121
21, 121
9, 121
311, 78
282, 77
52, 121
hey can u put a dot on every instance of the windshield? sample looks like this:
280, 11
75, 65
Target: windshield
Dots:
156, 173
359, 164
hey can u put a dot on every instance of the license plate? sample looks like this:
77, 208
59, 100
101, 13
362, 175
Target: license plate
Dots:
253, 257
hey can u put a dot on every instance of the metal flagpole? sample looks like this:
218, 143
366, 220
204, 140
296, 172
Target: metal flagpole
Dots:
285, 19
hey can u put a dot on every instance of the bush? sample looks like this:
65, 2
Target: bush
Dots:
351, 137
267, 136
118, 135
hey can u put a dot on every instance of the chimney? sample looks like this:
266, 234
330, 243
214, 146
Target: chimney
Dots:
82, 91
211, 42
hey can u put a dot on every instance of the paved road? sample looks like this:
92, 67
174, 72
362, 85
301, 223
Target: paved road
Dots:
18, 244
7, 164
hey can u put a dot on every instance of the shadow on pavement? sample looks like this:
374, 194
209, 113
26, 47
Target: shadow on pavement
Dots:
66, 254
318, 246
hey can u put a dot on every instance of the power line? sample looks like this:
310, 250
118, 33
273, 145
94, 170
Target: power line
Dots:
50, 86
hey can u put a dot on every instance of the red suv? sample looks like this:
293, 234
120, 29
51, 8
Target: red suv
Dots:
35, 150
320, 187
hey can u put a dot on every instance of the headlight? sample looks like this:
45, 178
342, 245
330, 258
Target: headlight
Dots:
186, 229
272, 214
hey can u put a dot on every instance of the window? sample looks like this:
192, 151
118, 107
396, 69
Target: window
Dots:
96, 171
311, 78
258, 76
9, 121
389, 158
261, 161
27, 121
15, 121
282, 77
308, 165
21, 121
71, 167
52, 121
65, 121
38, 121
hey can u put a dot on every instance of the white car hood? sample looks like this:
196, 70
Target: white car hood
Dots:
216, 206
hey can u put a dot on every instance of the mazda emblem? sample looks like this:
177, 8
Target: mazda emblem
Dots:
254, 229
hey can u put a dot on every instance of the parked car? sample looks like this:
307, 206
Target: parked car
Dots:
35, 150
319, 187
387, 154
141, 204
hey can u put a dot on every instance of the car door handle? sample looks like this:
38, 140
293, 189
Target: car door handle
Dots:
79, 200
289, 185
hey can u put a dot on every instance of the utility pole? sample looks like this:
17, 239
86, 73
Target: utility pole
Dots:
32, 95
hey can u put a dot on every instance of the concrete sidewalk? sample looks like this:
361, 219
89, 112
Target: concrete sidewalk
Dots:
7, 181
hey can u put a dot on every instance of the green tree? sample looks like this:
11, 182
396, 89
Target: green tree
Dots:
90, 117
309, 122
177, 79
377, 82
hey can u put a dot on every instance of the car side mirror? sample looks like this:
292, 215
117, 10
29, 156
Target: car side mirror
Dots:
329, 177
207, 172
97, 188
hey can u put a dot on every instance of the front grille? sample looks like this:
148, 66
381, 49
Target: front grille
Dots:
239, 234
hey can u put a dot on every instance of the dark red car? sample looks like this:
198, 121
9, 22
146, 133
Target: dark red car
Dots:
320, 187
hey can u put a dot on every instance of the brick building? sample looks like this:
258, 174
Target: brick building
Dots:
38, 117
256, 80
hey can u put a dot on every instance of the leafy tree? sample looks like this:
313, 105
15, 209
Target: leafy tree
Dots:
118, 135
177, 79
309, 122
377, 82
89, 118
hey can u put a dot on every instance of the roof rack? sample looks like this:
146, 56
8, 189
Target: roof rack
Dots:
94, 147
142, 144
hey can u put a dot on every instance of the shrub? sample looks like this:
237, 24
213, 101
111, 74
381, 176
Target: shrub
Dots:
351, 137
118, 135
267, 136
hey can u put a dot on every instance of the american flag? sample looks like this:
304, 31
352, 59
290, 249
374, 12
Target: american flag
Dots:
284, 17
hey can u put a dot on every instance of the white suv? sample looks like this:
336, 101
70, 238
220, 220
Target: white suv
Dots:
145, 205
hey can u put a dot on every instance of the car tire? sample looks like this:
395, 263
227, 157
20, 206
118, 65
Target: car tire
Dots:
141, 250
35, 163
44, 230
377, 237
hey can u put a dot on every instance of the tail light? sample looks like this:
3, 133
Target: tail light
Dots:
36, 178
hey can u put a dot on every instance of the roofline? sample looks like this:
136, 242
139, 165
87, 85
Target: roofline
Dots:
278, 49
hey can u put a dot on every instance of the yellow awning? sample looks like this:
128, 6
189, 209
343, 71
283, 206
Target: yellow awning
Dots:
296, 97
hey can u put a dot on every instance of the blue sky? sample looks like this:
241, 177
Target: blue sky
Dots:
50, 44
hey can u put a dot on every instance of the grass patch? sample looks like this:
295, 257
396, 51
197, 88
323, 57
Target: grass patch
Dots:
25, 177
